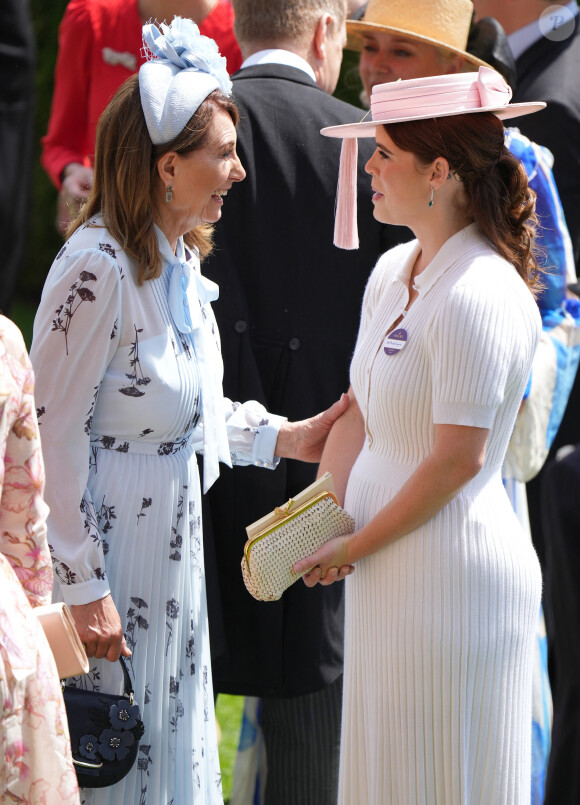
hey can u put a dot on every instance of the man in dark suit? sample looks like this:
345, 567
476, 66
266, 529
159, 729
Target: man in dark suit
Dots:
561, 517
17, 62
545, 40
288, 315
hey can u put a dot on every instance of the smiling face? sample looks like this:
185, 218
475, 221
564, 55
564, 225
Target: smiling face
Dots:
387, 57
400, 191
200, 179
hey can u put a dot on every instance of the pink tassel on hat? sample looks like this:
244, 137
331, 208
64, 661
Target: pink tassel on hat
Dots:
345, 223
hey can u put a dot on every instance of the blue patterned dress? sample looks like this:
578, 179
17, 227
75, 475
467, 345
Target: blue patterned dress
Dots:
122, 370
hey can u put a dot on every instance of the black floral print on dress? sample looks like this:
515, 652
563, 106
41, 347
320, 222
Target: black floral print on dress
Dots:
78, 294
176, 540
194, 538
90, 522
169, 448
136, 377
145, 504
178, 704
143, 762
172, 612
196, 416
90, 681
190, 648
194, 769
108, 249
87, 428
104, 517
135, 621
184, 344
62, 570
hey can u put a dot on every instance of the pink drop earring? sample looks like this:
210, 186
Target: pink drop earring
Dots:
169, 194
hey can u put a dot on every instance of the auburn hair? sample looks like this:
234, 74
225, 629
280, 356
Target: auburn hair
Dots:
496, 191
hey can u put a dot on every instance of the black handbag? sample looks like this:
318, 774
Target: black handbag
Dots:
105, 730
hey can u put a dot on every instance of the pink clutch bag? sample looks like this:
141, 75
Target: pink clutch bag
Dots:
59, 628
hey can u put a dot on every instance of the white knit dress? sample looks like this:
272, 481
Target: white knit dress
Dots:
440, 624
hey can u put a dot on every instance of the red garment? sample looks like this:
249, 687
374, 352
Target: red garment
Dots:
99, 47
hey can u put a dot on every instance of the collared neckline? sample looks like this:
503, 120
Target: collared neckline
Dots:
279, 56
447, 255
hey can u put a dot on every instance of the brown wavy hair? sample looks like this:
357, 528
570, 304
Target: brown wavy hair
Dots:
495, 184
126, 183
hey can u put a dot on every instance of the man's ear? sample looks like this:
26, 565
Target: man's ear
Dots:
166, 165
320, 37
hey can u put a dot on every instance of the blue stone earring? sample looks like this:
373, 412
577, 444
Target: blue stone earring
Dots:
169, 194
432, 197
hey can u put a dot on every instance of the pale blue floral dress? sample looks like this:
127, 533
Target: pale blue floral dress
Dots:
122, 370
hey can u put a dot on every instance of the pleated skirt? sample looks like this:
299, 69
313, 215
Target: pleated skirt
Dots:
148, 511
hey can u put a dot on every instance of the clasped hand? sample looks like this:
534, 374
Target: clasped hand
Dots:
99, 627
328, 564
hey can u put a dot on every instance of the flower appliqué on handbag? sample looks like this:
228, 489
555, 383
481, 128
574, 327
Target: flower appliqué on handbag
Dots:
114, 741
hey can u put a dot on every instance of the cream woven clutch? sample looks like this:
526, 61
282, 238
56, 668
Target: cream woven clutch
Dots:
288, 534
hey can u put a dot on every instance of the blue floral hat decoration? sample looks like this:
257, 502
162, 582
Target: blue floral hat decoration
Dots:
181, 70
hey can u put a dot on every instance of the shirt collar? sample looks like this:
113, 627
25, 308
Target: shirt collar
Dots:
522, 39
447, 255
279, 56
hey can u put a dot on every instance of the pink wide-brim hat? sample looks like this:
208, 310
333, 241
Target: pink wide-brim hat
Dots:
416, 99
437, 96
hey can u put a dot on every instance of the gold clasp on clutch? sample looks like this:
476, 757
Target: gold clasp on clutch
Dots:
284, 511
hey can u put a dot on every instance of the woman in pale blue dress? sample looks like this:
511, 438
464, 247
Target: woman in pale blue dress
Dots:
129, 372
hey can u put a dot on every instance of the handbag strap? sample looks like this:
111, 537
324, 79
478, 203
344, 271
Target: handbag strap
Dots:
128, 687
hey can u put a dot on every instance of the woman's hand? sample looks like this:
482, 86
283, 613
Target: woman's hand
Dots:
99, 628
76, 185
328, 564
305, 440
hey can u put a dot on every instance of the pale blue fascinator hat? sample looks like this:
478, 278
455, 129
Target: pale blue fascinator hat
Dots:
181, 70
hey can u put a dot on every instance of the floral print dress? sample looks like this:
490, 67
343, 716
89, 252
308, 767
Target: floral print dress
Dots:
36, 763
120, 395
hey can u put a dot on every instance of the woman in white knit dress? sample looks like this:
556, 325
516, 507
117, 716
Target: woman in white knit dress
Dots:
441, 611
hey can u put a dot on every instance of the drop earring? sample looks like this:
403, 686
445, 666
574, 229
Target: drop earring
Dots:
169, 194
432, 197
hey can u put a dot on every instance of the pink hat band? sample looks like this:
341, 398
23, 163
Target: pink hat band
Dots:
440, 95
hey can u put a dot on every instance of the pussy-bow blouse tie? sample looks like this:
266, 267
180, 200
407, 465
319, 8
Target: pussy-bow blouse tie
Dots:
188, 292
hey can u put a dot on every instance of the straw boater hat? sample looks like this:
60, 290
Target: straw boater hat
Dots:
416, 99
443, 23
